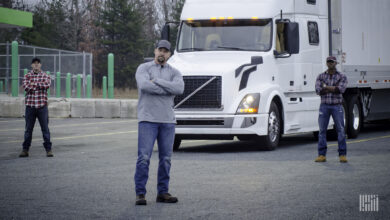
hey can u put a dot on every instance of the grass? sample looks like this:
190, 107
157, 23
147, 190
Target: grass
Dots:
118, 93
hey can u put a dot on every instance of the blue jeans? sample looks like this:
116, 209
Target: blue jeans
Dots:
31, 114
148, 132
336, 111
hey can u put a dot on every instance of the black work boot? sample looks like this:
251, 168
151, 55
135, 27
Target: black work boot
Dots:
140, 200
49, 154
24, 153
166, 198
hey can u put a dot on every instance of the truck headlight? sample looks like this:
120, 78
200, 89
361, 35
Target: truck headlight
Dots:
249, 104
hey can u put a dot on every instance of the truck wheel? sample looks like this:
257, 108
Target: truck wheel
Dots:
272, 139
315, 135
353, 117
176, 143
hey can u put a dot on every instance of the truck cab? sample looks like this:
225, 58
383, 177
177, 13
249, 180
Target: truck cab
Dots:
249, 68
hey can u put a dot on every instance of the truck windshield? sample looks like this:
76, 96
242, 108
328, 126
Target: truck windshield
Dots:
217, 35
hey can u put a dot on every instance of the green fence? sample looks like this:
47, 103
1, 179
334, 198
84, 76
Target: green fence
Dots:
70, 72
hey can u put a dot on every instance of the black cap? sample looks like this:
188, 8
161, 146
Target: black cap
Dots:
331, 58
164, 44
35, 59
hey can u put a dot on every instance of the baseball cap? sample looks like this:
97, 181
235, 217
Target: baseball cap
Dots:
35, 59
164, 44
331, 58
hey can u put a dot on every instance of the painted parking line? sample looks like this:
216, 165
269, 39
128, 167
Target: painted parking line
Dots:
77, 136
96, 135
363, 140
72, 125
4, 121
11, 121
135, 131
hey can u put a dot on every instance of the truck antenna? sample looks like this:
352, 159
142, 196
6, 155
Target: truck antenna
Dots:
281, 14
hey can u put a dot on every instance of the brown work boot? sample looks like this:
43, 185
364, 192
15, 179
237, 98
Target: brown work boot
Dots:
166, 198
320, 158
343, 159
49, 153
23, 154
140, 200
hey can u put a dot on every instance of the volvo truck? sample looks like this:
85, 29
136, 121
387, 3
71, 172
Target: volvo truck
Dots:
250, 66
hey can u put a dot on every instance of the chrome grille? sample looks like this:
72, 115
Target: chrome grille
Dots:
207, 97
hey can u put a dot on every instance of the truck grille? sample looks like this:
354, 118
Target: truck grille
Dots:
207, 97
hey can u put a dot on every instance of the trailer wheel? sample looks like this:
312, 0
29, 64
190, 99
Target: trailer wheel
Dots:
271, 140
353, 117
176, 143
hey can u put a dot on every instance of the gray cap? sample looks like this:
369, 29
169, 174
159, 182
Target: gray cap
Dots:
164, 44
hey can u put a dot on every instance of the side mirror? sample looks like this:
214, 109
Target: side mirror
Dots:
165, 32
282, 54
291, 30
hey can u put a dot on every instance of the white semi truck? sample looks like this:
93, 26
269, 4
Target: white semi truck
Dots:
250, 66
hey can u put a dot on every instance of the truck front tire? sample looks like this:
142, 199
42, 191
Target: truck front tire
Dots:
176, 143
271, 140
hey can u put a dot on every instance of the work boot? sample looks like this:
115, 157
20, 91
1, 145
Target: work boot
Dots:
23, 154
49, 153
166, 198
343, 159
320, 158
140, 200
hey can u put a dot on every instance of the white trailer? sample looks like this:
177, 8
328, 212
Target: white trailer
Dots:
250, 66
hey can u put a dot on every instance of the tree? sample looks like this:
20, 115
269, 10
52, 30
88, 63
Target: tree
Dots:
150, 18
122, 26
90, 36
50, 26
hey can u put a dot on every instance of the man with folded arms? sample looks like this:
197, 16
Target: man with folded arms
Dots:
36, 83
158, 83
331, 85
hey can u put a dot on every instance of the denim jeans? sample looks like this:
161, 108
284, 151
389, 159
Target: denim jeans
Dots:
31, 115
336, 111
148, 133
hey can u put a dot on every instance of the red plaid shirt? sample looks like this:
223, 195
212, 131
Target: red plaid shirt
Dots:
36, 95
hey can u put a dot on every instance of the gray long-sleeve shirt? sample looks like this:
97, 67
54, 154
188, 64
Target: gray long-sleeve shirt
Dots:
157, 87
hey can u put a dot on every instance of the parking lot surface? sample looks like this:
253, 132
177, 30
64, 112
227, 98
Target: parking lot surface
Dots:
91, 176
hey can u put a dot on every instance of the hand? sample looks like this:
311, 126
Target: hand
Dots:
331, 89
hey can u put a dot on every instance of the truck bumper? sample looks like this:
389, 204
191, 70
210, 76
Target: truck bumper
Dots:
222, 124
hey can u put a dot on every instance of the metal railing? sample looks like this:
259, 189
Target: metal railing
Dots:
53, 61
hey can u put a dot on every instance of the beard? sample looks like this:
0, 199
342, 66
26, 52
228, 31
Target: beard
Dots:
161, 59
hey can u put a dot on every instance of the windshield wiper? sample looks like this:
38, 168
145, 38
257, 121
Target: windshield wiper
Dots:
232, 48
191, 49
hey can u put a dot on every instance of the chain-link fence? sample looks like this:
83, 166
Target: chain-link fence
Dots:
52, 60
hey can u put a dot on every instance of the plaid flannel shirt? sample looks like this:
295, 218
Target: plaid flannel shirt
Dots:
338, 80
36, 95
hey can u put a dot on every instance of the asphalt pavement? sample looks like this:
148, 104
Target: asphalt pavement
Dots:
91, 176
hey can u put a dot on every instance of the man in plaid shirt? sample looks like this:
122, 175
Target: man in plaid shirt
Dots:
331, 85
36, 83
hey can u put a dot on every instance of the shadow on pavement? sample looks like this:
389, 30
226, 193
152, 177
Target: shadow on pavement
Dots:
285, 143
